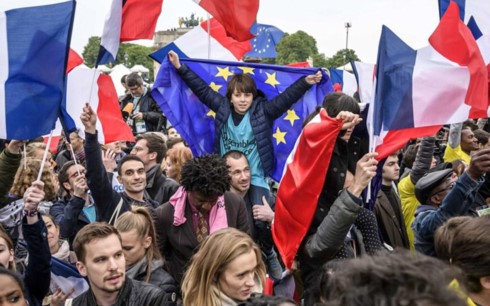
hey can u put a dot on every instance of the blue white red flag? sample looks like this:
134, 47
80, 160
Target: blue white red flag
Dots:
34, 48
343, 81
365, 74
406, 100
195, 122
236, 17
208, 41
126, 21
66, 277
475, 13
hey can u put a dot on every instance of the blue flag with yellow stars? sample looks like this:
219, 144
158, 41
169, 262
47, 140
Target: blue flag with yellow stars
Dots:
195, 121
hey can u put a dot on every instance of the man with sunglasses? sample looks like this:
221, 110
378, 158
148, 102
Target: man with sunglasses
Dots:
442, 196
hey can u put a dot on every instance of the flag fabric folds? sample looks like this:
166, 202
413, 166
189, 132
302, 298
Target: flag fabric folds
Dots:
343, 81
35, 42
195, 122
407, 105
475, 14
265, 41
236, 17
66, 277
405, 93
104, 101
126, 21
303, 179
365, 74
205, 42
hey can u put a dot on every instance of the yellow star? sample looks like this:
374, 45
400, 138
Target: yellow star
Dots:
215, 86
211, 114
271, 79
224, 72
291, 116
247, 70
279, 136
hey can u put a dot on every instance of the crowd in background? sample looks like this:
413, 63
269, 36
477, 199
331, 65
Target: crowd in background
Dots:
148, 223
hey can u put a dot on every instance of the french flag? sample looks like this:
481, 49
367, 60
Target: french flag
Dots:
442, 83
103, 98
236, 17
343, 81
475, 13
304, 176
34, 48
208, 40
110, 123
365, 74
126, 21
66, 278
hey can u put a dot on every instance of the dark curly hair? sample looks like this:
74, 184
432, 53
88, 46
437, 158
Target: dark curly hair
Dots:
207, 174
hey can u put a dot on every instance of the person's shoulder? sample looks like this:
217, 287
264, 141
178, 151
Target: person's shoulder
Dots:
232, 198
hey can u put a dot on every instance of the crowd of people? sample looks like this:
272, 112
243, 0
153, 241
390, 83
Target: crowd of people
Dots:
148, 223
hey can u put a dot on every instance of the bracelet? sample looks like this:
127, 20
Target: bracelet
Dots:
29, 213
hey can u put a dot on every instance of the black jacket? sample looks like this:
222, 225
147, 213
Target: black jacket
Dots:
37, 276
262, 112
105, 197
133, 293
159, 187
70, 217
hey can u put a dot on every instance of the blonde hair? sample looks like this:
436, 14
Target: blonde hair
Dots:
179, 156
25, 176
31, 149
139, 219
200, 286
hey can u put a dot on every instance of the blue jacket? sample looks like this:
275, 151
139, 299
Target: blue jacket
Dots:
262, 112
428, 218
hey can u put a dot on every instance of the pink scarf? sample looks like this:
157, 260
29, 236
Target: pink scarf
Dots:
217, 214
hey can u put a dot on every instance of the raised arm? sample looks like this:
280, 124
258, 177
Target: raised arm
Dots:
331, 233
38, 272
105, 198
9, 162
281, 103
204, 93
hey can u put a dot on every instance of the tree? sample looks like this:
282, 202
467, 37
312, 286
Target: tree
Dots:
136, 55
296, 47
340, 58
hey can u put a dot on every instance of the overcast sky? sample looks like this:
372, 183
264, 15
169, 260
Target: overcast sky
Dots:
413, 21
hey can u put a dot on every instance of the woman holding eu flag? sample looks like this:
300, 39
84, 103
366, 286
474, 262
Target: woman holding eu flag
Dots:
244, 119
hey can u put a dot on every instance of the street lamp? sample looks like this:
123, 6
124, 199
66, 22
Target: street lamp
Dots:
126, 59
347, 26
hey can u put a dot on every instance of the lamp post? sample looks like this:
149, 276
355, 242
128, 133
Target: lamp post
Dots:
347, 26
126, 59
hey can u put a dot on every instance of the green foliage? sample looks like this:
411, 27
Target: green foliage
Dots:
340, 58
296, 47
137, 55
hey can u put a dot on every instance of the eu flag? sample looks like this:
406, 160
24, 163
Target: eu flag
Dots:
195, 122
265, 41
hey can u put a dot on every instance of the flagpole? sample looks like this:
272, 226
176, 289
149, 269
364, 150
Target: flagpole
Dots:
45, 155
209, 36
25, 155
74, 157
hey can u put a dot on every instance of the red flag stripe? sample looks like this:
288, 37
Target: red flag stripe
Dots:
303, 179
139, 19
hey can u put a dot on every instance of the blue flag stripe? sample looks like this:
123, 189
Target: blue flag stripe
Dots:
37, 55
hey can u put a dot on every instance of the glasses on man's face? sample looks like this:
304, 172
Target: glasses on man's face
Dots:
448, 188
